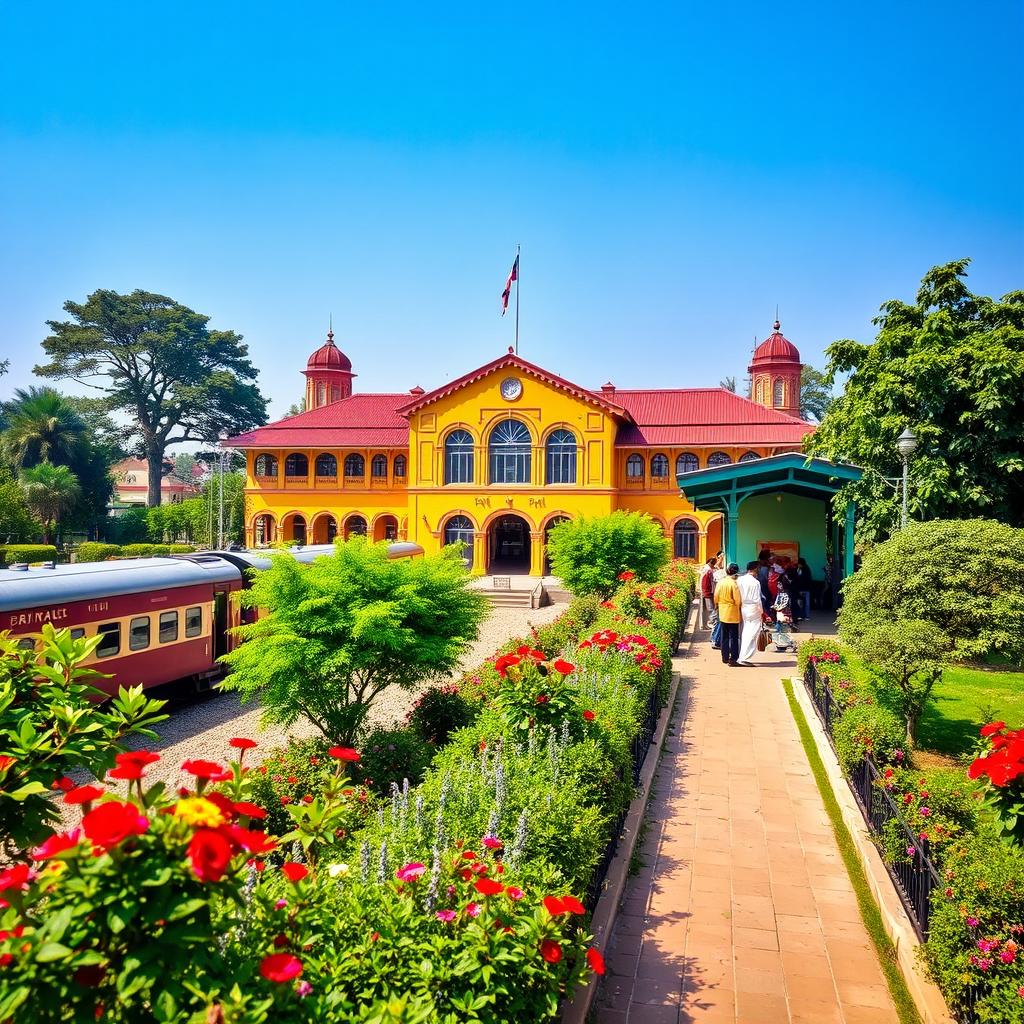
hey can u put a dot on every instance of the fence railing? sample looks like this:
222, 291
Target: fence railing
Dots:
914, 879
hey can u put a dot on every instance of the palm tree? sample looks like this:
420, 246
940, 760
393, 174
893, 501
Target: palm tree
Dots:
49, 492
41, 427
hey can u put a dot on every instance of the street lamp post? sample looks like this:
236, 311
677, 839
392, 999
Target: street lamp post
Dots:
906, 443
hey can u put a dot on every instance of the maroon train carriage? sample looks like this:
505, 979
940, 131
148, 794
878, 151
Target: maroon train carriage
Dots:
162, 619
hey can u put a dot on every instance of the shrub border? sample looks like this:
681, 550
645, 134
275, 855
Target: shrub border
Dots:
602, 921
892, 934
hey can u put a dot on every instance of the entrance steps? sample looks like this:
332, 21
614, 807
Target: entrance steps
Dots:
513, 591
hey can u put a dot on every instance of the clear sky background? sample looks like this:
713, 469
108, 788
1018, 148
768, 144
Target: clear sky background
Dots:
672, 171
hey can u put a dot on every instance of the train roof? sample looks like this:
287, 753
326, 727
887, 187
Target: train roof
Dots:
35, 587
261, 557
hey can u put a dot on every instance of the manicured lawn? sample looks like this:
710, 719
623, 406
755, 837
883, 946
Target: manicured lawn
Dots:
965, 699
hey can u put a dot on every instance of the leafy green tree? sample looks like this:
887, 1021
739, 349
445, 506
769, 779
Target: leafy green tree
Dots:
16, 520
951, 367
49, 492
341, 630
815, 393
162, 366
297, 407
42, 427
589, 554
964, 576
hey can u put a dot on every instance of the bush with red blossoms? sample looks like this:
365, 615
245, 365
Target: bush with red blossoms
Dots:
999, 766
537, 691
52, 724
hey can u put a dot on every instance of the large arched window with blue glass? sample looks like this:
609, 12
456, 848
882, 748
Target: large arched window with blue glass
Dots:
510, 447
561, 457
458, 457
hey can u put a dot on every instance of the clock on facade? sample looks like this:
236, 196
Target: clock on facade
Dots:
511, 388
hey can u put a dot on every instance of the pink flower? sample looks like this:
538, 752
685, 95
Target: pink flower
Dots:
1008, 956
446, 915
513, 893
410, 872
491, 843
972, 922
924, 812
473, 909
303, 989
280, 904
911, 850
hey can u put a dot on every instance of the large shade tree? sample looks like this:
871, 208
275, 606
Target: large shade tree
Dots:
950, 366
159, 363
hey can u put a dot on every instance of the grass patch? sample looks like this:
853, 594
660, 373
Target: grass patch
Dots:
869, 912
636, 860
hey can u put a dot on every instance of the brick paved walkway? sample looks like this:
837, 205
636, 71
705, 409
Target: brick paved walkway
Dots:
743, 911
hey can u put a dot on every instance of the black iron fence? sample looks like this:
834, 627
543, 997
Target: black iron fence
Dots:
915, 878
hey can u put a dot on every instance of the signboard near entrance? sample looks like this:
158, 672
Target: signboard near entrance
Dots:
502, 582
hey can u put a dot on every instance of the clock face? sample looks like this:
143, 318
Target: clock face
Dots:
511, 388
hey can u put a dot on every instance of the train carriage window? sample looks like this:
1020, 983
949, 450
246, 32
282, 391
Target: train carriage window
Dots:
168, 627
193, 621
138, 634
77, 633
111, 642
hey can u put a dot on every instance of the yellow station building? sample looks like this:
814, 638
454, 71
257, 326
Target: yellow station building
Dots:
495, 458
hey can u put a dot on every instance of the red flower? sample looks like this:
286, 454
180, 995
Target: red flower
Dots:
204, 769
139, 757
280, 967
504, 663
344, 753
83, 795
573, 905
564, 667
554, 906
626, 576
468, 855
488, 887
16, 877
292, 779
595, 960
113, 822
492, 843
294, 872
551, 951
252, 842
240, 743
210, 854
992, 727
542, 698
57, 843
64, 783
6, 761
252, 810
589, 715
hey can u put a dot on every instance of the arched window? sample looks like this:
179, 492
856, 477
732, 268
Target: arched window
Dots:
263, 530
266, 465
459, 530
458, 457
687, 463
399, 467
659, 467
779, 393
299, 529
749, 457
321, 394
718, 459
355, 526
635, 467
684, 539
561, 457
326, 465
379, 467
296, 465
510, 449
759, 391
355, 465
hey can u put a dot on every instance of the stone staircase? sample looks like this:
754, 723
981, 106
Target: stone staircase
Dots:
513, 591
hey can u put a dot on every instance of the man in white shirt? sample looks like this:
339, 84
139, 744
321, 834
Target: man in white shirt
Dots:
751, 612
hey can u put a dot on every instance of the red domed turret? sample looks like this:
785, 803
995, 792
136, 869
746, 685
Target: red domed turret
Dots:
328, 375
775, 373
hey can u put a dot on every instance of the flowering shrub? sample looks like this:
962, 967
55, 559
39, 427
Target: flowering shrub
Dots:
1000, 763
438, 712
390, 756
51, 724
867, 727
536, 691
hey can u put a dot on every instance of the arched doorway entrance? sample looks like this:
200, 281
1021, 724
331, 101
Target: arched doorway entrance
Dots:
355, 526
552, 523
508, 545
325, 529
264, 530
294, 529
385, 528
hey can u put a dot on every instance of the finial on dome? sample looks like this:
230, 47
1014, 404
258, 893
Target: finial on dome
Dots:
776, 325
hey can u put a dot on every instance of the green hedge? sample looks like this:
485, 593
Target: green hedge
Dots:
11, 553
95, 551
181, 549
145, 550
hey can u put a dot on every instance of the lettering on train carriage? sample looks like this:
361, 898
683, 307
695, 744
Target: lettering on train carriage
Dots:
39, 616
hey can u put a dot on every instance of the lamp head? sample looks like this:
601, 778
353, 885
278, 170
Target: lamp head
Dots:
906, 443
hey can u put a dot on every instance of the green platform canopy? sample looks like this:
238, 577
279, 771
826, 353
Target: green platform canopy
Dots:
791, 495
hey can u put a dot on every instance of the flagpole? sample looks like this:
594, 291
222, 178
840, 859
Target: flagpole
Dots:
519, 274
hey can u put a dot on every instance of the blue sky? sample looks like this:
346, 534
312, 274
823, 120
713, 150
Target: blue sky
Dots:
672, 172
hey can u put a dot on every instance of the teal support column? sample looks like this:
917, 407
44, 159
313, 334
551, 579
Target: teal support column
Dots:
732, 535
851, 511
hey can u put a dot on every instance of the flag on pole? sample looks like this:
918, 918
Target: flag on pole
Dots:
513, 275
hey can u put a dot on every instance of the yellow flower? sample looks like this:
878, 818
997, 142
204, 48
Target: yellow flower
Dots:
338, 870
200, 812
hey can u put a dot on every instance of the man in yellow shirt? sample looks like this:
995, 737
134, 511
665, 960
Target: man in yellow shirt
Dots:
727, 601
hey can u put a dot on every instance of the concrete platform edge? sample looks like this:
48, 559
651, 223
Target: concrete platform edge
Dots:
926, 995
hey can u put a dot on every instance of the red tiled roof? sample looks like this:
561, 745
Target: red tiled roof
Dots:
531, 369
360, 421
704, 416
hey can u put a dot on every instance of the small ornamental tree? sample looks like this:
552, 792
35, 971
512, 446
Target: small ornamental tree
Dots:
51, 724
591, 554
964, 576
339, 631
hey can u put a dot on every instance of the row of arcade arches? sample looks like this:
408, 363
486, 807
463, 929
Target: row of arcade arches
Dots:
326, 465
321, 528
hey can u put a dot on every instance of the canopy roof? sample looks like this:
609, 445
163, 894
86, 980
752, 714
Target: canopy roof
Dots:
792, 473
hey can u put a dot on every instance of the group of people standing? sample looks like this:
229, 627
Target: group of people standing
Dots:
771, 596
